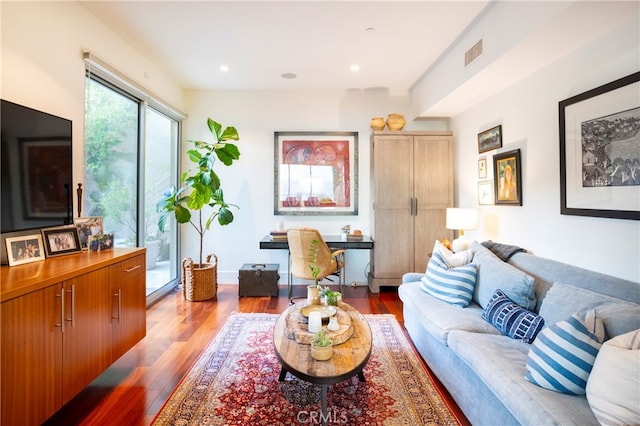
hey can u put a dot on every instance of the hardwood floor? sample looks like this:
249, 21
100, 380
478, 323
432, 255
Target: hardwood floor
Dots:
134, 389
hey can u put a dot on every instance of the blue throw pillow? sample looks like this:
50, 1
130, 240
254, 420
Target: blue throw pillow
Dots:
452, 285
512, 319
562, 356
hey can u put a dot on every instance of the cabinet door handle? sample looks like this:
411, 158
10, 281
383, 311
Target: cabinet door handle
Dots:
133, 268
119, 296
73, 305
415, 209
61, 296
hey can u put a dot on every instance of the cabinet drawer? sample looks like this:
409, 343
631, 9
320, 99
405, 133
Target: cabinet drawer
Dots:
130, 267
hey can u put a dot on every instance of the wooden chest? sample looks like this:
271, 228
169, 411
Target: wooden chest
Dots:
258, 279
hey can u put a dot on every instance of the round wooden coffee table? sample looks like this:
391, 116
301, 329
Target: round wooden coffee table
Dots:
349, 357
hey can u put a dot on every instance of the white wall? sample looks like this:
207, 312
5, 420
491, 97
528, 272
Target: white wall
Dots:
250, 182
528, 112
42, 65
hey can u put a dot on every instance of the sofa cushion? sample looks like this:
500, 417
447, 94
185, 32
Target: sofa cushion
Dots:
500, 362
512, 319
495, 274
439, 318
455, 260
452, 285
562, 356
618, 316
613, 388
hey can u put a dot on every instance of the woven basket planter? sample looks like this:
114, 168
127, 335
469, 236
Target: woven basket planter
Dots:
200, 282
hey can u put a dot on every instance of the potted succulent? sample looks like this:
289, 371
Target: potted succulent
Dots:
202, 188
321, 346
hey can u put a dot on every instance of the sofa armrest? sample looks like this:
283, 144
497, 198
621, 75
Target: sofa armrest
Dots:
411, 277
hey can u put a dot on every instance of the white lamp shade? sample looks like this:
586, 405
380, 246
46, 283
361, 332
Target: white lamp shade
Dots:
462, 219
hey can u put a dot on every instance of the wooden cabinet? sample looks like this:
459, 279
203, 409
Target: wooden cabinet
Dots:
57, 328
31, 363
128, 321
412, 185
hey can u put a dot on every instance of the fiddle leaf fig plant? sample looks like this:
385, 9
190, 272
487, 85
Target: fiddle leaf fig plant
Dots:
201, 184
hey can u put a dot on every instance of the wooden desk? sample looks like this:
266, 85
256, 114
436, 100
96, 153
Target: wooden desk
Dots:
333, 241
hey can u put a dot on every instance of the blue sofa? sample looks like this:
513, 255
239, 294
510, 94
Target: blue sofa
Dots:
484, 370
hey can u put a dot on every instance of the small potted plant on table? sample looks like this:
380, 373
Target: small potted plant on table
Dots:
321, 346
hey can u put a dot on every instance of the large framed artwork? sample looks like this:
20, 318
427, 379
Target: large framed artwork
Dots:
507, 177
600, 151
316, 173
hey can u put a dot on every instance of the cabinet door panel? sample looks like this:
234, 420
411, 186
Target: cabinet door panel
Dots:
87, 335
393, 172
128, 323
393, 243
433, 172
31, 357
429, 226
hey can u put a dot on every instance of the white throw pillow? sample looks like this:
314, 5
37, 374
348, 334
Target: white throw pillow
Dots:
454, 260
613, 388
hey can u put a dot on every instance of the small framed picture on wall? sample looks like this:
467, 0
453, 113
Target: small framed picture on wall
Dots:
485, 193
482, 168
507, 177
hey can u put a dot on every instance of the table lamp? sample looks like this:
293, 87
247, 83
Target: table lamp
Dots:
461, 219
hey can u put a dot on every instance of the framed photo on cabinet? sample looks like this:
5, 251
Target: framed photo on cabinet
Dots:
316, 173
507, 178
24, 249
61, 240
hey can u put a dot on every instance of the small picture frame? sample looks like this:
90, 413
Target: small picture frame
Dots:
482, 168
490, 139
24, 249
507, 178
61, 240
88, 226
100, 242
485, 193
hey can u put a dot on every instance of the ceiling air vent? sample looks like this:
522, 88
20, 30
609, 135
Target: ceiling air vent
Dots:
471, 54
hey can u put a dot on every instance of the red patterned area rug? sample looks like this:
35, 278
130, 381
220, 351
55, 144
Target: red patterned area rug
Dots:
235, 382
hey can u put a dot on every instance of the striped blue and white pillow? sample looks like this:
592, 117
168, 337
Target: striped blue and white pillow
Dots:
452, 285
562, 356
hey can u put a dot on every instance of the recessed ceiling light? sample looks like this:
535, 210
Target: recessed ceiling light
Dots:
289, 75
355, 68
224, 68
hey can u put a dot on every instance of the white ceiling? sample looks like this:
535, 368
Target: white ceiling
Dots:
316, 40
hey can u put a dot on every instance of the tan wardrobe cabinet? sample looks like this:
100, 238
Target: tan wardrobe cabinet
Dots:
64, 321
412, 185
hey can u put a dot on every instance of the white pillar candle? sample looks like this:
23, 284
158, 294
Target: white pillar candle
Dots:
315, 322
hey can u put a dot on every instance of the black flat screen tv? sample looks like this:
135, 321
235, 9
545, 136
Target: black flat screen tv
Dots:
36, 170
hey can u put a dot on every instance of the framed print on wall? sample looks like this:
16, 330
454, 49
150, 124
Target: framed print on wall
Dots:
507, 178
485, 193
490, 139
482, 168
24, 249
316, 173
61, 240
600, 151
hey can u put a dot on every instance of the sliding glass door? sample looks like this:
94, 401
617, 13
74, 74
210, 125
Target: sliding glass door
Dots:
130, 159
